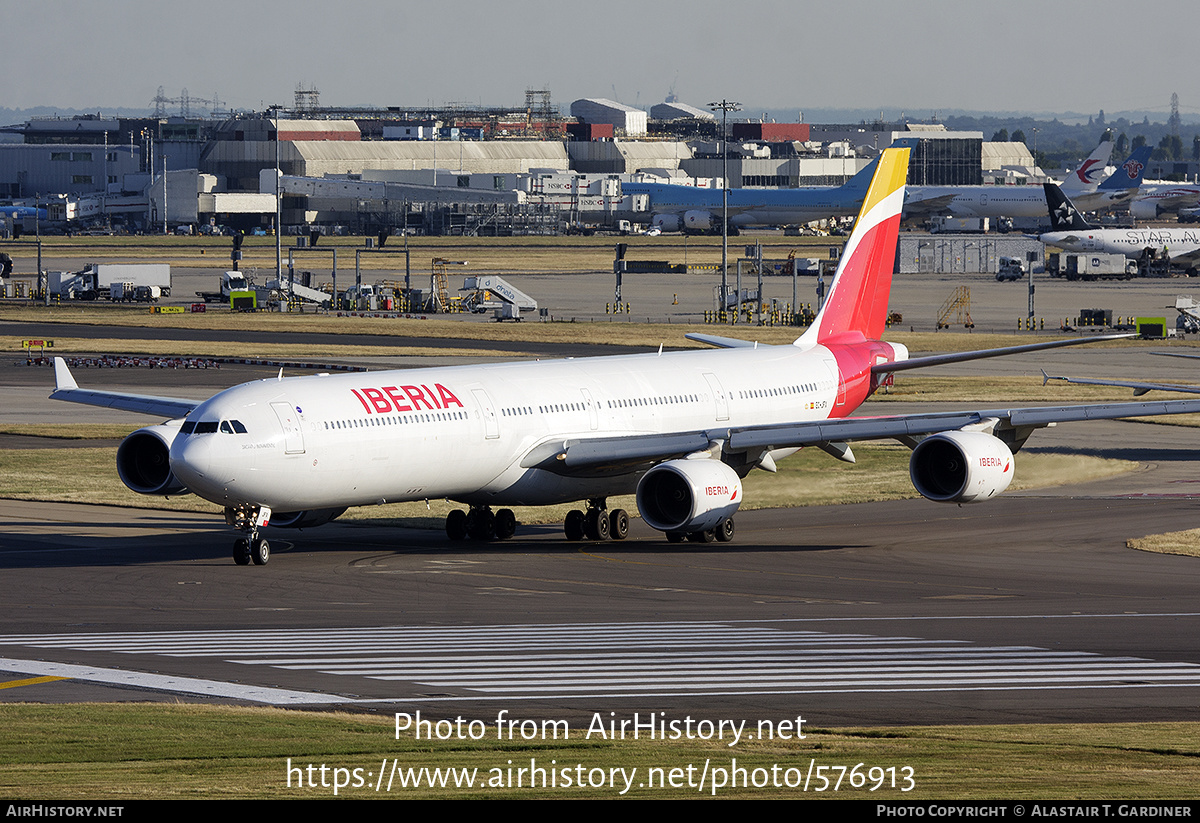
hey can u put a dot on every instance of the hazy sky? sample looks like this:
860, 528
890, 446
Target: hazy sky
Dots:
921, 56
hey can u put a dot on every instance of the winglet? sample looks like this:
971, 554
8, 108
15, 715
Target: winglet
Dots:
62, 376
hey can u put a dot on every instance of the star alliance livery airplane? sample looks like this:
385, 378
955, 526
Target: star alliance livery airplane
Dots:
680, 430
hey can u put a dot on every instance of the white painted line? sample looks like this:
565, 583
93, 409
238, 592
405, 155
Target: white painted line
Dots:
168, 683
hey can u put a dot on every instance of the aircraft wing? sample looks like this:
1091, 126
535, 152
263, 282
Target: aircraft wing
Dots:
65, 388
1138, 388
980, 354
918, 207
588, 457
1189, 258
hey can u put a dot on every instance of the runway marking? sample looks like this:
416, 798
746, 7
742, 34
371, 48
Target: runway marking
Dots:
165, 683
558, 661
31, 681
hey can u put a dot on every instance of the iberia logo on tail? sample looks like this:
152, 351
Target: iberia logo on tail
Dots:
858, 300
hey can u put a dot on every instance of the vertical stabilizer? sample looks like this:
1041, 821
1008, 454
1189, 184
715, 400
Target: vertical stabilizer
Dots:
1087, 176
1129, 175
858, 298
1063, 214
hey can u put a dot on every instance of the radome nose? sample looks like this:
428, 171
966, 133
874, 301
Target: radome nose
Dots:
192, 461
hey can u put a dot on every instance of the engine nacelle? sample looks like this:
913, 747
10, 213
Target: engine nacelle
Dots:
1143, 209
143, 461
961, 467
304, 519
688, 495
698, 220
666, 222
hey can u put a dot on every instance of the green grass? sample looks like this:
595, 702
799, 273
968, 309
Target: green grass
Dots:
115, 753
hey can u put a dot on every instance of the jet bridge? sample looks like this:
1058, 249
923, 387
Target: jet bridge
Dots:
493, 292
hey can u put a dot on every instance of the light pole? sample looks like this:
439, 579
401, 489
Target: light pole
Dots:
725, 106
164, 204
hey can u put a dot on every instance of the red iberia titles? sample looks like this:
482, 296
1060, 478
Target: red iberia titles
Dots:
406, 398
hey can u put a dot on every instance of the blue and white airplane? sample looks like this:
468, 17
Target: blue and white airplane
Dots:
689, 208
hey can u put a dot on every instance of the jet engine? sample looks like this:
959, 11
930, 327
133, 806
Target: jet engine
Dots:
304, 519
699, 221
688, 495
143, 461
1143, 209
961, 467
666, 222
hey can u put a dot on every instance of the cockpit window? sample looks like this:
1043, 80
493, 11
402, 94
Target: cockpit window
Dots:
237, 426
206, 427
187, 428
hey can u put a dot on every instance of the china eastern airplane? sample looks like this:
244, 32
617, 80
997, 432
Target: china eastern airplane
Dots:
1069, 231
679, 430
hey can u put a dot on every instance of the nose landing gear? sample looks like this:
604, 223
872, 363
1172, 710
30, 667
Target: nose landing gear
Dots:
252, 548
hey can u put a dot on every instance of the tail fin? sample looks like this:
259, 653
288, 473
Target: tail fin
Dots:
1063, 214
862, 180
858, 298
1088, 174
1129, 175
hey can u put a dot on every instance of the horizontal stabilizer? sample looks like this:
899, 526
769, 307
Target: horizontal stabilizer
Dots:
65, 388
721, 342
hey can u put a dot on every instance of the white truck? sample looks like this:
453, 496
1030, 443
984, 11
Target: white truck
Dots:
1011, 268
97, 280
958, 225
1091, 266
231, 281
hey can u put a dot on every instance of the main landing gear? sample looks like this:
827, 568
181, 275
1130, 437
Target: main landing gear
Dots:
597, 523
479, 523
722, 533
251, 548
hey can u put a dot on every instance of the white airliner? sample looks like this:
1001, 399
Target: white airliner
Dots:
1071, 232
1153, 201
678, 429
1029, 201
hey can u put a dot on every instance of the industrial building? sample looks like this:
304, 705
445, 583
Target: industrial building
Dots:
370, 169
